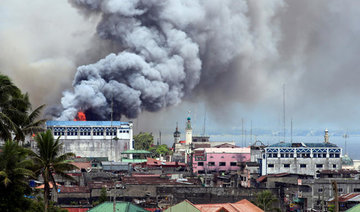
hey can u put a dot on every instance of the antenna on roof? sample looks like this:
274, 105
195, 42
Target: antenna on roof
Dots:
251, 131
345, 136
242, 131
204, 123
284, 110
291, 140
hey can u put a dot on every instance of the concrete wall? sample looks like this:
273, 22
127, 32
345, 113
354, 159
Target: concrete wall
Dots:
310, 168
96, 147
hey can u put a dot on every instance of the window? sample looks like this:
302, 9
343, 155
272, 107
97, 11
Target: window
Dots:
356, 189
211, 156
340, 190
232, 163
334, 166
211, 164
222, 156
302, 165
291, 155
319, 165
200, 163
287, 165
337, 155
281, 155
320, 190
331, 155
324, 155
286, 155
222, 164
270, 165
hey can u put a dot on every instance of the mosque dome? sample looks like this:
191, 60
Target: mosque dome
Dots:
347, 161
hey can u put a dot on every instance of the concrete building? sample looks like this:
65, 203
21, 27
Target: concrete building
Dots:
208, 160
300, 158
94, 138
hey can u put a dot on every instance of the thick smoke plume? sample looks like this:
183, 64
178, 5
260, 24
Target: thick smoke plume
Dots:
166, 49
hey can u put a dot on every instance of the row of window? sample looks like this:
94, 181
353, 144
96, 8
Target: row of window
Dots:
220, 164
89, 133
302, 155
287, 165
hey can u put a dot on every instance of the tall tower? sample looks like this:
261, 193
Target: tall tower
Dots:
188, 130
176, 135
326, 136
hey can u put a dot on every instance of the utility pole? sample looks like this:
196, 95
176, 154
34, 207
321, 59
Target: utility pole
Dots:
242, 132
284, 111
336, 197
291, 137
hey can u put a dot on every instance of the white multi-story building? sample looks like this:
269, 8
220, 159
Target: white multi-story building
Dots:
300, 158
94, 138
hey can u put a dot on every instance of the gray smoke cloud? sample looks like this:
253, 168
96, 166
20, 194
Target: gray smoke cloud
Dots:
167, 49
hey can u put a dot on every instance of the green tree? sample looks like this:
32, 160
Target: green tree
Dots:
29, 124
8, 92
143, 141
265, 200
159, 150
14, 177
103, 195
48, 161
16, 117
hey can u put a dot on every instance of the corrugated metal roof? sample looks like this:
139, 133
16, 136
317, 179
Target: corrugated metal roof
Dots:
135, 151
241, 206
120, 207
349, 197
85, 123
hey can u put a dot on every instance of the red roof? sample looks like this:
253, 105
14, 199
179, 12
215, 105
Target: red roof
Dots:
81, 165
241, 206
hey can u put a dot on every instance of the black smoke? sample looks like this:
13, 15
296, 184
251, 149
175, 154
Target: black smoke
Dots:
167, 49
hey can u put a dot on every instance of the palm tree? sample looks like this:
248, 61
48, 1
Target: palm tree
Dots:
265, 201
7, 92
15, 172
49, 161
29, 124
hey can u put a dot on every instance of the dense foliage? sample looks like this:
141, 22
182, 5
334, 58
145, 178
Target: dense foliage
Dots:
18, 165
17, 120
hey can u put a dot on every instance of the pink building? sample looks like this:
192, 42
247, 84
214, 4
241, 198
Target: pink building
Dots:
219, 159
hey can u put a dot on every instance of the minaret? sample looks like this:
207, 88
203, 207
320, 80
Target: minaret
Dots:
176, 135
188, 130
326, 136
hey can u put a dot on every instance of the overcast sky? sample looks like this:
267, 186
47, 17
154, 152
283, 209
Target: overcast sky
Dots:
316, 55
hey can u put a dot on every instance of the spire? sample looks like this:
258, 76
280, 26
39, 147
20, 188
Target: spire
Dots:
326, 136
188, 124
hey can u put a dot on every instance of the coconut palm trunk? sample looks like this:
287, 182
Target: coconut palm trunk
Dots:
49, 162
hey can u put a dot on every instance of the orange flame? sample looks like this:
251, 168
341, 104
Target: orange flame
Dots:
80, 116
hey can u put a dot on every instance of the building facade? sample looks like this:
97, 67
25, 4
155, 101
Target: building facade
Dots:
211, 160
300, 158
94, 138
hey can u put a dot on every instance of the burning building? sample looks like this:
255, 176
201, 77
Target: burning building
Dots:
94, 138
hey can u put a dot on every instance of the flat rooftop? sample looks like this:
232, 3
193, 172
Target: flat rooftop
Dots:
85, 123
308, 145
